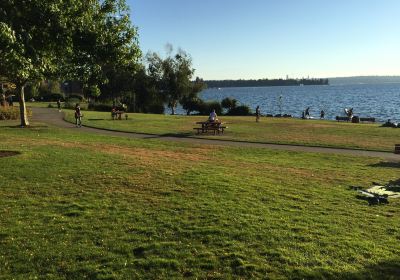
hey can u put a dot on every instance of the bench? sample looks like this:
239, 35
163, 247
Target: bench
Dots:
216, 127
367, 119
117, 115
216, 130
338, 118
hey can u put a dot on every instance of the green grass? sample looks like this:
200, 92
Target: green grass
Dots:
76, 205
269, 130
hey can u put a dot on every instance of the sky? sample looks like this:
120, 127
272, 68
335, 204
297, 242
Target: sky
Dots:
255, 39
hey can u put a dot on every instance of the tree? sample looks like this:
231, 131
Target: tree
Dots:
64, 38
229, 103
173, 76
192, 102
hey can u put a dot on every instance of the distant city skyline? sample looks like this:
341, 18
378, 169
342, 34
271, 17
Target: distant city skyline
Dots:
272, 39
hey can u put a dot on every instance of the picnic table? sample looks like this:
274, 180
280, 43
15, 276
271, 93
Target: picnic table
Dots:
207, 126
116, 115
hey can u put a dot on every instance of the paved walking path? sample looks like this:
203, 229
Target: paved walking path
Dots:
53, 117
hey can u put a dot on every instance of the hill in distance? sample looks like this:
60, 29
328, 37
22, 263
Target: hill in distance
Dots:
364, 80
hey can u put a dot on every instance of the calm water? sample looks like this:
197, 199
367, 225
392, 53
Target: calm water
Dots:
381, 101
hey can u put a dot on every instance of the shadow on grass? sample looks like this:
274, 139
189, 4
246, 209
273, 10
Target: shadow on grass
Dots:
8, 153
27, 127
386, 164
178, 135
96, 119
389, 269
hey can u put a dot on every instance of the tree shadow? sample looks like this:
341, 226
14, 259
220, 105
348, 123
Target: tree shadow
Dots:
177, 135
386, 164
26, 127
389, 269
9, 153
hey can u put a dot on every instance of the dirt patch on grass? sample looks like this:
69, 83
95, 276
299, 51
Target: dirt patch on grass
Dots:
193, 154
8, 153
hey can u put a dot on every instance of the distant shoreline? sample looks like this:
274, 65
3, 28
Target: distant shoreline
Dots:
265, 83
355, 80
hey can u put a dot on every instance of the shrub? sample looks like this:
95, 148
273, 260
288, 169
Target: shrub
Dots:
241, 110
52, 97
11, 113
229, 103
156, 108
71, 103
206, 108
101, 107
75, 96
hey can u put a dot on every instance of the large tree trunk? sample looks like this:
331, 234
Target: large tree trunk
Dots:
22, 106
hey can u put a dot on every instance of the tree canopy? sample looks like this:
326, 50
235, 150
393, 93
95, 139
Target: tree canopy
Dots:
173, 76
83, 40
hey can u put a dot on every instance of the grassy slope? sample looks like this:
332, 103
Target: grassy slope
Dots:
288, 131
76, 205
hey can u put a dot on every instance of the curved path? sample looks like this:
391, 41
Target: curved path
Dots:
53, 117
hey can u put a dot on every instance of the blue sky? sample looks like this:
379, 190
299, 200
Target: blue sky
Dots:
232, 39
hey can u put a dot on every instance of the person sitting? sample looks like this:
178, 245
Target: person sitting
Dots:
113, 113
213, 116
389, 124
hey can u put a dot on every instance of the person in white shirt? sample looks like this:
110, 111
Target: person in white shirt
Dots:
213, 116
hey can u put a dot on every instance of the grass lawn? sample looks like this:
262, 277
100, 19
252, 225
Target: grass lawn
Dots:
76, 205
268, 130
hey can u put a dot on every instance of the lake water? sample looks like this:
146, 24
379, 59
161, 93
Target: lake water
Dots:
381, 101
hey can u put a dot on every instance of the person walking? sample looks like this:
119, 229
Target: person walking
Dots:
307, 112
258, 113
78, 115
59, 105
322, 116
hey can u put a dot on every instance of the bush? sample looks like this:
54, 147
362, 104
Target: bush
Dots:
156, 109
75, 96
241, 110
101, 107
71, 103
229, 103
205, 108
52, 97
11, 113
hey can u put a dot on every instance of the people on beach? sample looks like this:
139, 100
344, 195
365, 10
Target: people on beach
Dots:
258, 113
322, 116
349, 112
307, 113
213, 116
59, 105
389, 123
78, 115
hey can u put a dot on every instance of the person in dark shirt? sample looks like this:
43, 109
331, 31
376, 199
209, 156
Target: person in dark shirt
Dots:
258, 113
78, 115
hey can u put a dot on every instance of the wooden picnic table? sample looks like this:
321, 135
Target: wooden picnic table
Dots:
116, 115
216, 127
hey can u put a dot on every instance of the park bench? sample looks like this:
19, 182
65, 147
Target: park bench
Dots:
215, 127
117, 115
367, 119
338, 118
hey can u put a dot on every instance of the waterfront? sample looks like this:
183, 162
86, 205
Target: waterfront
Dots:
381, 101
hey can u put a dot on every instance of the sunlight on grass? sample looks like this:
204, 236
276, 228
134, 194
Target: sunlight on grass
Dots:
268, 130
78, 205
